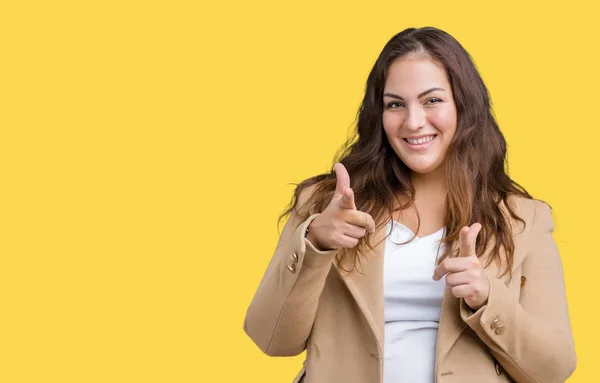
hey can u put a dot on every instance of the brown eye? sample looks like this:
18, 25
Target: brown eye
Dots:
393, 105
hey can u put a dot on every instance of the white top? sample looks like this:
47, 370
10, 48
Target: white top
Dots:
413, 302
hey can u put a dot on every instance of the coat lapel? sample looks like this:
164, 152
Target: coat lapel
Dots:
366, 285
451, 324
366, 288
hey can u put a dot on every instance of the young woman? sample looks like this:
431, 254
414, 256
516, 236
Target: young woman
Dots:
418, 259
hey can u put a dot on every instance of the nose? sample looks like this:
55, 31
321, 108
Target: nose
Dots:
415, 119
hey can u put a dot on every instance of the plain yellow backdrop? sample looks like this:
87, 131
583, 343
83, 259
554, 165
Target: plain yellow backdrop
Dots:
148, 147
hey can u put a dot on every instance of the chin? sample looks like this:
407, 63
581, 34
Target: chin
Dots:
422, 168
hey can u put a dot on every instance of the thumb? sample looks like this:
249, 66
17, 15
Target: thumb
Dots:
343, 179
468, 239
347, 201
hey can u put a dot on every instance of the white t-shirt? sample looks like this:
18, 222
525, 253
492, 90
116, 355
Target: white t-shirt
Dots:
413, 303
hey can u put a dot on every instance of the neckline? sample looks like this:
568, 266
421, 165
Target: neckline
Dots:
416, 236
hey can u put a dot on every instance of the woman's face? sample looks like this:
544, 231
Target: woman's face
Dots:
419, 114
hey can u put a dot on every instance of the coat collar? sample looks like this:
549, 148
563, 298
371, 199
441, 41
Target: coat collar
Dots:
366, 288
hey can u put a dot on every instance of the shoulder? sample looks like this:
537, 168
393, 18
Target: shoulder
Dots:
304, 193
536, 213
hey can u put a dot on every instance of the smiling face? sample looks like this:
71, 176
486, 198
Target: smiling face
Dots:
419, 113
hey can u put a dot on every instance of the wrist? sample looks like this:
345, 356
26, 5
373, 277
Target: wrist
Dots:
309, 235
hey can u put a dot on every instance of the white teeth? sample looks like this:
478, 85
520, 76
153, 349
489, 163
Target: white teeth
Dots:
420, 140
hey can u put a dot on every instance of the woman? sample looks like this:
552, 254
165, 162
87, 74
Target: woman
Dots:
418, 259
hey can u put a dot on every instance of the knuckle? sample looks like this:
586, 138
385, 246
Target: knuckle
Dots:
336, 225
334, 240
339, 240
343, 215
348, 244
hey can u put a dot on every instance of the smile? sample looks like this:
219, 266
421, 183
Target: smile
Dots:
421, 143
420, 140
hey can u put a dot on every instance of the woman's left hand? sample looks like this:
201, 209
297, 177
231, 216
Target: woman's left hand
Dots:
465, 274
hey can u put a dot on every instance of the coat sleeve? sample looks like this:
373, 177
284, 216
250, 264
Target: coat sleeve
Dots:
535, 342
281, 314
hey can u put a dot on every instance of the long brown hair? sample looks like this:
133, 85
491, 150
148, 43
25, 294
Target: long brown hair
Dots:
476, 179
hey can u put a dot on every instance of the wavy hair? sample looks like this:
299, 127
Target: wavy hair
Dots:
476, 179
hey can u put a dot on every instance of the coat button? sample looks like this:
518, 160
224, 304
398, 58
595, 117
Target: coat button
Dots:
495, 323
292, 268
294, 257
500, 329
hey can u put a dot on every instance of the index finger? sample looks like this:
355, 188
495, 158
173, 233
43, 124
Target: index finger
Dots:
450, 265
361, 219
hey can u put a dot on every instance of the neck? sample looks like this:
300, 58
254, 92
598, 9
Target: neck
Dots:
430, 184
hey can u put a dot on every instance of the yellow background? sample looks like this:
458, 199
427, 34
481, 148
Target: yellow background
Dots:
147, 148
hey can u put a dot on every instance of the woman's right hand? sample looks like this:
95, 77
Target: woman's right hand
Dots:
340, 224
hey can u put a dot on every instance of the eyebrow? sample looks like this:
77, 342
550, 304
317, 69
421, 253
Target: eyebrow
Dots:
419, 96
